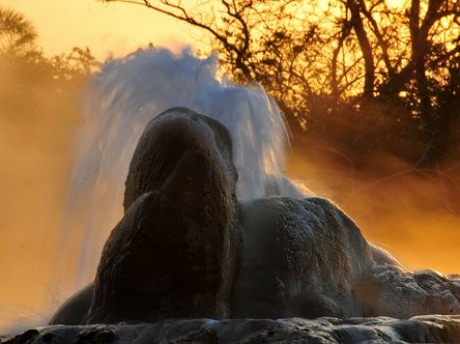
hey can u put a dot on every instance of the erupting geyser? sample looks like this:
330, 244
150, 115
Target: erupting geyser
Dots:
211, 227
123, 98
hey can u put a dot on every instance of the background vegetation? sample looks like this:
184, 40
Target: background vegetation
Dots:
27, 73
365, 75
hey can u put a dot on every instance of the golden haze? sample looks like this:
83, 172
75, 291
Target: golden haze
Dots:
408, 214
106, 28
414, 215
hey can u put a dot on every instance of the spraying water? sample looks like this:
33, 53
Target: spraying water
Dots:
126, 95
123, 98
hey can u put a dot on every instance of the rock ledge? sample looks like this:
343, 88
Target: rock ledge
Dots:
420, 329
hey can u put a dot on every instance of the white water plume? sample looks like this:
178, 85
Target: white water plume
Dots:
123, 98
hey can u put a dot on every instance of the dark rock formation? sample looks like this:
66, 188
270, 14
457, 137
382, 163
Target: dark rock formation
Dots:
174, 252
179, 251
299, 258
186, 248
390, 290
421, 329
75, 310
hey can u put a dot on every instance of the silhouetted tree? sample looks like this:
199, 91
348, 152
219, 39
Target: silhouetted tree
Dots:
33, 85
16, 32
372, 67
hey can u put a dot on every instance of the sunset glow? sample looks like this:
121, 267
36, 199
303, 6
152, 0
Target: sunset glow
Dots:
106, 28
409, 210
395, 3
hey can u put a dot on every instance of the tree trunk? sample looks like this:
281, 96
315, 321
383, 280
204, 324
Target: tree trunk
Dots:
419, 54
366, 48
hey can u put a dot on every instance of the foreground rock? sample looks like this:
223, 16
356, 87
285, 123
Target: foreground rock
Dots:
174, 252
392, 291
421, 329
187, 248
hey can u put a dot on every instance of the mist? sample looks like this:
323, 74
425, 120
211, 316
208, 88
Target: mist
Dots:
38, 116
412, 213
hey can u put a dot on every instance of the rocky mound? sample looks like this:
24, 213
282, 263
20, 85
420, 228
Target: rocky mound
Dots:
421, 329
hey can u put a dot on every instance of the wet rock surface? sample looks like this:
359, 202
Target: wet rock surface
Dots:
174, 252
421, 329
392, 291
187, 248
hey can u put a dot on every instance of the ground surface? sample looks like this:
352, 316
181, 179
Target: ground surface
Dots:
422, 329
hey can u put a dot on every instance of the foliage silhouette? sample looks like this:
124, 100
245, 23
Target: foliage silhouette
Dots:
344, 60
33, 85
16, 32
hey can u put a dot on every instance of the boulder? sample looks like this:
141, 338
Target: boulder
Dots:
174, 252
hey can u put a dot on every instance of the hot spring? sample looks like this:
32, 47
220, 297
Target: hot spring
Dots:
126, 95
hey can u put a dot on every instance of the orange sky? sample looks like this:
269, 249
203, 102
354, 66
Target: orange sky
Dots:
103, 27
121, 28
117, 28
